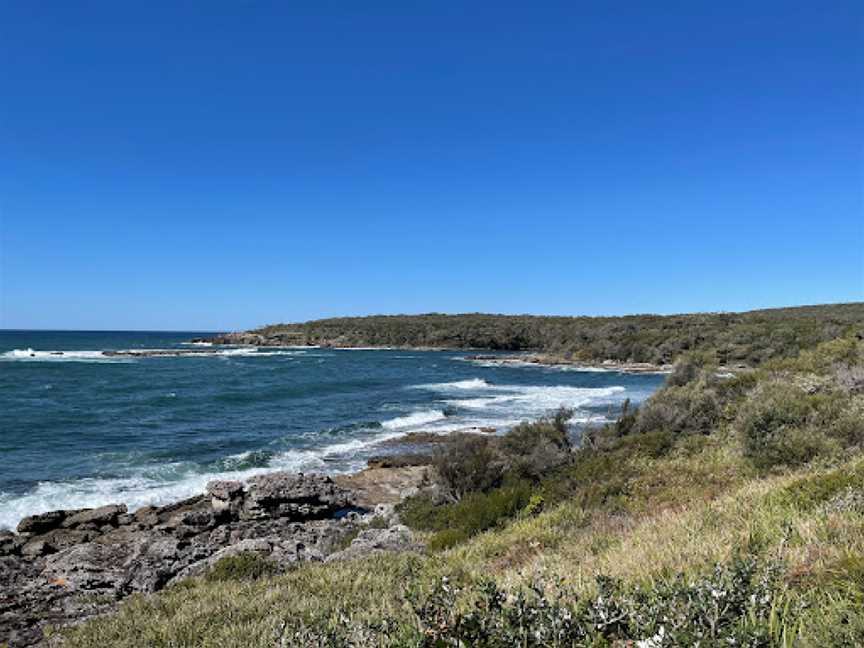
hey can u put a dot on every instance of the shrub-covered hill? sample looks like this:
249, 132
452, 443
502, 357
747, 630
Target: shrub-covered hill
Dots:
727, 511
748, 338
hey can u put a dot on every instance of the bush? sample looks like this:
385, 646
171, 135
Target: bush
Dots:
688, 368
473, 514
691, 409
532, 449
814, 491
595, 479
471, 463
772, 427
243, 566
740, 603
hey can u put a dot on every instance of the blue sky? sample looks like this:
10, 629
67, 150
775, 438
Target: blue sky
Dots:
219, 165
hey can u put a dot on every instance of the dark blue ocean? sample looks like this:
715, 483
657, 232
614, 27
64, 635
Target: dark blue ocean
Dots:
84, 429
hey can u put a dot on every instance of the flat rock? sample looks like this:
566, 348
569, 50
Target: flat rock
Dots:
97, 516
293, 495
42, 522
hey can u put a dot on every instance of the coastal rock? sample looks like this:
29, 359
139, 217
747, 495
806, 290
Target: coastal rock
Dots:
91, 566
296, 496
50, 572
97, 517
41, 522
10, 543
379, 485
225, 496
372, 541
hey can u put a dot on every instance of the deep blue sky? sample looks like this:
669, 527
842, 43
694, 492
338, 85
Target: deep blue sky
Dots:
218, 165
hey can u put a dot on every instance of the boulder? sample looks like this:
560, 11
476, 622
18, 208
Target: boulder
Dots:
42, 522
11, 543
225, 496
293, 495
97, 517
87, 567
373, 541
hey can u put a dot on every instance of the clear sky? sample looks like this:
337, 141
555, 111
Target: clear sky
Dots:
219, 165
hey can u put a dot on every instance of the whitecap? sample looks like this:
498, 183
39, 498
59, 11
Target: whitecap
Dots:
471, 383
414, 419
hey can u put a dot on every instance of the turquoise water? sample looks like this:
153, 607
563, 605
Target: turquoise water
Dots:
84, 429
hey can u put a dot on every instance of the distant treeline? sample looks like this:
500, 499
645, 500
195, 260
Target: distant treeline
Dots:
733, 338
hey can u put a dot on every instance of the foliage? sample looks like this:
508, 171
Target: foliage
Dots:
247, 565
471, 463
727, 338
473, 514
735, 604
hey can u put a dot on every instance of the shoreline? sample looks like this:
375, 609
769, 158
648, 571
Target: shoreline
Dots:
64, 567
513, 358
551, 360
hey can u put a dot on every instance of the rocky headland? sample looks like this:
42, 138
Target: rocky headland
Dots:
65, 566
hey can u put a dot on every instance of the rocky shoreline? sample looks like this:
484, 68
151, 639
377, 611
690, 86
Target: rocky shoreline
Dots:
561, 361
295, 340
63, 567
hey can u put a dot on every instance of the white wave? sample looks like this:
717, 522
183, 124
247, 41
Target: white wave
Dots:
135, 491
175, 481
414, 419
130, 355
504, 403
30, 355
472, 383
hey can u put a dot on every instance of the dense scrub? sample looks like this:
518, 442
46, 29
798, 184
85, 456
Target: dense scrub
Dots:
729, 338
728, 510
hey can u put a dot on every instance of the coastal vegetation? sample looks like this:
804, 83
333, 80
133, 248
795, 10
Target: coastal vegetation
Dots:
727, 510
748, 338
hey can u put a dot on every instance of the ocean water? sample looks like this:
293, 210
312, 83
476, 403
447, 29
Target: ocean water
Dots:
83, 428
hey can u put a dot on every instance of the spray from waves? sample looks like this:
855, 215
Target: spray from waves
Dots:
541, 397
171, 482
414, 419
30, 355
136, 490
130, 355
471, 383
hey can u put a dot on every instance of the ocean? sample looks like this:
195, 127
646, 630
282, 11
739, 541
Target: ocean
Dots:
81, 428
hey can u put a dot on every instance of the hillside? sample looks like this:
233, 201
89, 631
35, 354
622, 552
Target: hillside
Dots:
732, 338
727, 511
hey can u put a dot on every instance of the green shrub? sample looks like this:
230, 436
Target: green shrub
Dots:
740, 603
690, 409
689, 367
447, 538
534, 507
813, 491
772, 426
473, 514
470, 463
247, 565
650, 444
530, 450
595, 479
